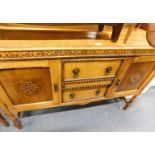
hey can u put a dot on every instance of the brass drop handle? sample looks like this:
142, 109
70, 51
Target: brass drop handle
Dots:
76, 72
98, 92
72, 95
108, 70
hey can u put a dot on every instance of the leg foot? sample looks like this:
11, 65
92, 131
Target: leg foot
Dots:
128, 103
126, 107
7, 112
17, 124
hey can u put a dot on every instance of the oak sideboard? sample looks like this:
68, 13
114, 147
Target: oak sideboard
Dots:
43, 74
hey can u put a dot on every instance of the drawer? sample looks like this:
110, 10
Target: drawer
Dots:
90, 68
83, 94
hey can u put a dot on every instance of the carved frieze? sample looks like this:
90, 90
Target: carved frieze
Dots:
88, 80
78, 52
84, 87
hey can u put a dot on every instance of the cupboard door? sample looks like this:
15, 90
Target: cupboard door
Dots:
28, 85
135, 76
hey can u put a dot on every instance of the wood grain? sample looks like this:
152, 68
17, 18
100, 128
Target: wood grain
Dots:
14, 81
91, 69
37, 74
83, 94
136, 75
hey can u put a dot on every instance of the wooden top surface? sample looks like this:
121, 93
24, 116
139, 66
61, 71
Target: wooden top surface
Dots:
137, 40
49, 27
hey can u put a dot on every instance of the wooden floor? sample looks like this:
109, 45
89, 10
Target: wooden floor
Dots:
86, 40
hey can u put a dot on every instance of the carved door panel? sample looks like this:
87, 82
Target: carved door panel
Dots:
28, 84
135, 76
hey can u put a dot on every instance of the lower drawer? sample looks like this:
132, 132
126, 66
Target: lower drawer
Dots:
83, 94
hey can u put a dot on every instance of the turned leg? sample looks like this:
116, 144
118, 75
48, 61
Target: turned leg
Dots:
129, 103
7, 112
17, 124
116, 32
3, 121
19, 115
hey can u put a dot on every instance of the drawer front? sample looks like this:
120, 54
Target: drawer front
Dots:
83, 69
83, 94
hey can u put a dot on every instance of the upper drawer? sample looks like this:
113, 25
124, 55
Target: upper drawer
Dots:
90, 68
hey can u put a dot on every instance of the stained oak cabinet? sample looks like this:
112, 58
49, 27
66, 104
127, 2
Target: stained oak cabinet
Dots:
27, 85
36, 84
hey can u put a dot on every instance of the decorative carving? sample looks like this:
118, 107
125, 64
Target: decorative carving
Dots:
88, 80
85, 81
89, 59
28, 88
135, 77
75, 52
84, 87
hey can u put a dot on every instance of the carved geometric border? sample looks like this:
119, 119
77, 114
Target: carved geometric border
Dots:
88, 80
66, 53
85, 87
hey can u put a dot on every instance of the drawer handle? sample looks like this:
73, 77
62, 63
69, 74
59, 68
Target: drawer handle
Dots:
72, 95
98, 92
108, 70
76, 72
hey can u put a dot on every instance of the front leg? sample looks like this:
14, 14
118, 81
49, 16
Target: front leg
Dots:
3, 121
129, 103
17, 124
7, 112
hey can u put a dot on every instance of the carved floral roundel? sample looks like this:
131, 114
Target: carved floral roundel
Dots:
29, 87
134, 78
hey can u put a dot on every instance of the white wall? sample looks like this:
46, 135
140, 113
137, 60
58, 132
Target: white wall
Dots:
152, 83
